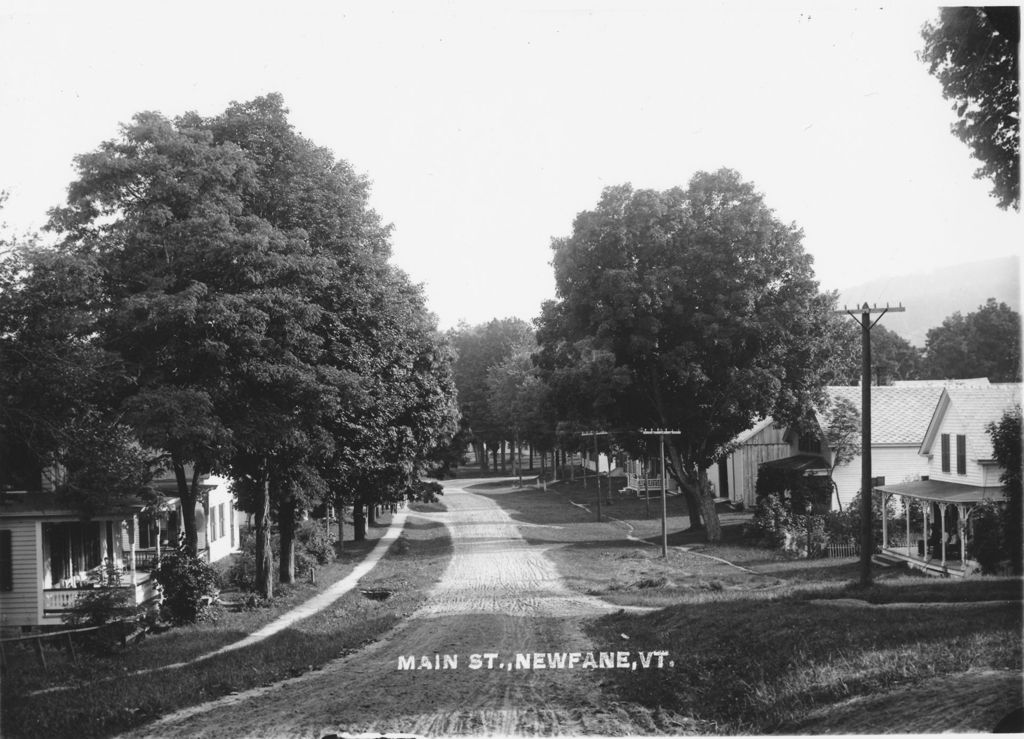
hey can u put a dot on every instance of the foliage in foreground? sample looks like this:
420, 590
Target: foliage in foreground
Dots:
973, 52
773, 663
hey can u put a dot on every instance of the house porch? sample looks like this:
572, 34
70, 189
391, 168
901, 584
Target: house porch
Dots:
940, 546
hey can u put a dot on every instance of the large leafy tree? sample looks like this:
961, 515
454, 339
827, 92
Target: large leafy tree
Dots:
984, 343
973, 51
239, 263
707, 305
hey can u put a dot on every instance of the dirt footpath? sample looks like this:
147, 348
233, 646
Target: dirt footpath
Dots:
499, 596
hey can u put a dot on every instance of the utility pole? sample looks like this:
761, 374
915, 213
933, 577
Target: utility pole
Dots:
867, 543
661, 433
597, 467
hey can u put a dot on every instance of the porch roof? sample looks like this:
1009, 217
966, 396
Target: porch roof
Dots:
41, 505
809, 464
941, 491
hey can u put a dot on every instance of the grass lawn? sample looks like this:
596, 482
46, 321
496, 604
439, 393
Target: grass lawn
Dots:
104, 699
757, 646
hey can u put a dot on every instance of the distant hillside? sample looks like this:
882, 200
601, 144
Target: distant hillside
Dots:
930, 297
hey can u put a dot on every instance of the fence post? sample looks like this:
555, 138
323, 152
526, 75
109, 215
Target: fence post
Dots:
71, 649
38, 642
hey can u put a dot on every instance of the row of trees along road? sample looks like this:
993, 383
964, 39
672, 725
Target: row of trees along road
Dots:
221, 292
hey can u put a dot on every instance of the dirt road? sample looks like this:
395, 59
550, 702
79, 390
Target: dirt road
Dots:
499, 596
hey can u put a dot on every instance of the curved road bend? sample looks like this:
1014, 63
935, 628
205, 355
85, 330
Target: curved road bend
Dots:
499, 595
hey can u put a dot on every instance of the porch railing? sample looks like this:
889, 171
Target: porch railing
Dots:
638, 484
60, 600
147, 559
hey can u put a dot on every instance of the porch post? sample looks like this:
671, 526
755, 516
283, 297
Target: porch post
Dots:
885, 522
906, 507
961, 532
942, 538
925, 512
131, 544
159, 534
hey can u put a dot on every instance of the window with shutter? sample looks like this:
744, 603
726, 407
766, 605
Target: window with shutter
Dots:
961, 455
945, 452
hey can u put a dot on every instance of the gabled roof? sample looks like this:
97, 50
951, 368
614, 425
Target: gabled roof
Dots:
899, 413
753, 430
974, 408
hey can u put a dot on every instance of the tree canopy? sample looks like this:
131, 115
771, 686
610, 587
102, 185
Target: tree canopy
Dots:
984, 343
973, 51
704, 303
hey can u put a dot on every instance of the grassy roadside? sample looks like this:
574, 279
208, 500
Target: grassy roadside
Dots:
755, 649
99, 706
751, 668
619, 558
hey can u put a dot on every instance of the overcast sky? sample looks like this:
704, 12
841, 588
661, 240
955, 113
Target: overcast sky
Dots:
485, 127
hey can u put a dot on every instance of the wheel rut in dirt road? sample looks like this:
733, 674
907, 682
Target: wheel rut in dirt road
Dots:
499, 596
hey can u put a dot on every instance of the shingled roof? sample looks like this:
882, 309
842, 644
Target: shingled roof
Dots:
899, 414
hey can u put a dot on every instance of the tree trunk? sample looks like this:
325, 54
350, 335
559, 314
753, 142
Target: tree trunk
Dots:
341, 526
494, 458
371, 514
358, 520
187, 498
702, 516
707, 508
504, 459
286, 526
531, 457
264, 556
480, 450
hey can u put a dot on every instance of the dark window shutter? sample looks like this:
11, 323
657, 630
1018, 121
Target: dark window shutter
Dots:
6, 562
945, 452
961, 455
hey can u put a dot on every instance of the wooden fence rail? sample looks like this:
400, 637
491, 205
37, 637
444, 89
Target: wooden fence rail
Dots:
37, 642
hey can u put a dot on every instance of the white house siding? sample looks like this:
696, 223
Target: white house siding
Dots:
222, 539
20, 606
894, 463
953, 423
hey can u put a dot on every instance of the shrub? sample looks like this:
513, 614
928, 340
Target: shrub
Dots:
314, 547
772, 521
777, 526
101, 606
189, 587
242, 573
988, 545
